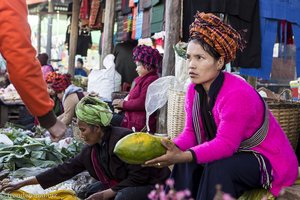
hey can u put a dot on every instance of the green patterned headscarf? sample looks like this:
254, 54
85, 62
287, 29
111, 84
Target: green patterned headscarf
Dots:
93, 111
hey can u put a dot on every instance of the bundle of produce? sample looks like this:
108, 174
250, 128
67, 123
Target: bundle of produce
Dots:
136, 148
30, 152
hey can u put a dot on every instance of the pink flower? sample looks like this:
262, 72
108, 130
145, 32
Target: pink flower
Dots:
170, 182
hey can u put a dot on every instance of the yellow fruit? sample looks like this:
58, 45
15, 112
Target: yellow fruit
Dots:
136, 148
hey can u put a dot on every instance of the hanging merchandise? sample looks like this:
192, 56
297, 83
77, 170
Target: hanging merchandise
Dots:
95, 19
131, 3
271, 11
125, 7
134, 18
120, 26
139, 25
118, 5
145, 4
84, 41
157, 19
242, 15
84, 13
146, 24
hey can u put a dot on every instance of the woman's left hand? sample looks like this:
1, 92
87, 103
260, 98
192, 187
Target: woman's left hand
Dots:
172, 156
118, 103
103, 195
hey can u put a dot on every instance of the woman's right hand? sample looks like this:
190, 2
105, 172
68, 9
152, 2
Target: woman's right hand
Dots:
8, 186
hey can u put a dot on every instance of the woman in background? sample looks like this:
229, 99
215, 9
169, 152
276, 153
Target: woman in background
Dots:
147, 61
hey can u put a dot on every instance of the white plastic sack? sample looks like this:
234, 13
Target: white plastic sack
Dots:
105, 81
157, 95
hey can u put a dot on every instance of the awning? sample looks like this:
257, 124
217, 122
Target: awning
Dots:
29, 2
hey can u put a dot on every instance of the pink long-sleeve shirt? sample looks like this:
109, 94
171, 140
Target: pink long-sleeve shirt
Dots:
238, 113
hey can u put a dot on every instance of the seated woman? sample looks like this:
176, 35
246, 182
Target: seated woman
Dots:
118, 180
147, 61
68, 94
46, 68
230, 137
58, 107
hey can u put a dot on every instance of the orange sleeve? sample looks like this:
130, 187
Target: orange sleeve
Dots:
23, 67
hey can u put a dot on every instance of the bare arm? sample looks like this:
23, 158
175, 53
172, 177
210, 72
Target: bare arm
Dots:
9, 187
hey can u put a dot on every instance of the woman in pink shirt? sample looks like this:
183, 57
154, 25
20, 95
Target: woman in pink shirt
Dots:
230, 136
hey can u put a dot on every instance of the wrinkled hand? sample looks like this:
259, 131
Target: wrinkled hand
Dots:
57, 131
172, 156
103, 195
118, 103
8, 186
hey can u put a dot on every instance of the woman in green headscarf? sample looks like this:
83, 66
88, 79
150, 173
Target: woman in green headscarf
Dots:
117, 180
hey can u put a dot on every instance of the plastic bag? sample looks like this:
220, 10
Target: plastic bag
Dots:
157, 95
105, 81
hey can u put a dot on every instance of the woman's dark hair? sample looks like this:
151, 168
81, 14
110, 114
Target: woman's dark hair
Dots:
43, 58
210, 50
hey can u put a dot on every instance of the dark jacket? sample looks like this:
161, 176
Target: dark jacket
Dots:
134, 107
126, 175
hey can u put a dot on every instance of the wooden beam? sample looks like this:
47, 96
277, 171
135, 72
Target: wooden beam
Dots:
173, 18
173, 24
49, 30
109, 21
73, 36
38, 37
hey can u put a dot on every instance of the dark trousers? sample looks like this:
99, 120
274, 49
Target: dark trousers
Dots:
134, 193
128, 193
235, 174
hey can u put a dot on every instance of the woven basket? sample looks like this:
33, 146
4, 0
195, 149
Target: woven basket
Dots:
176, 114
287, 114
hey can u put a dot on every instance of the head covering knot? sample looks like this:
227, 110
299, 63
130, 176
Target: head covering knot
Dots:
220, 36
93, 111
147, 55
61, 82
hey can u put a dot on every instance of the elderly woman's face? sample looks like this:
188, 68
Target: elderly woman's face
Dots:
203, 68
89, 133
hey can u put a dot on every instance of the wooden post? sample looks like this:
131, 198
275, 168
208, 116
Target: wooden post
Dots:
73, 36
38, 37
49, 31
252, 81
173, 23
109, 21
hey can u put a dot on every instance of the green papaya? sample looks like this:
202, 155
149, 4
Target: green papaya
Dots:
136, 148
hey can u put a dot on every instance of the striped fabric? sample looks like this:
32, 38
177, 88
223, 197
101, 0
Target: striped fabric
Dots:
246, 145
222, 37
260, 134
196, 118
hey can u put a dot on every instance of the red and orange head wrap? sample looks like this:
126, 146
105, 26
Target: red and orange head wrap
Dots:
61, 82
51, 76
220, 36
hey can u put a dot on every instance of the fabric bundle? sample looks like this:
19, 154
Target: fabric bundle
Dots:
93, 111
220, 36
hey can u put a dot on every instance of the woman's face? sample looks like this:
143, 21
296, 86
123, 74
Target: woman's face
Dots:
203, 68
89, 133
60, 95
141, 69
51, 92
